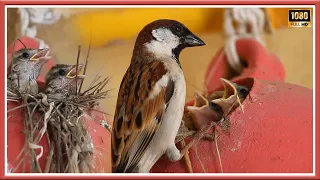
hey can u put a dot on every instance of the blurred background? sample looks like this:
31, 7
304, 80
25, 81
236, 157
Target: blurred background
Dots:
112, 34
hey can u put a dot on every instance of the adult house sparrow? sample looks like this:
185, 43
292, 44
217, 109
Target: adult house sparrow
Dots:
60, 81
217, 104
25, 68
151, 98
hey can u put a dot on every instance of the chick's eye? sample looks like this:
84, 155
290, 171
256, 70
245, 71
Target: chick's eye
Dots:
25, 55
62, 72
244, 91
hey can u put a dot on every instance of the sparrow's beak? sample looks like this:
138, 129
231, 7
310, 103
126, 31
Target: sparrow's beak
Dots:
191, 40
229, 88
40, 55
73, 72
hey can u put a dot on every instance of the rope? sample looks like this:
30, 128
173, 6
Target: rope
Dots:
255, 18
30, 17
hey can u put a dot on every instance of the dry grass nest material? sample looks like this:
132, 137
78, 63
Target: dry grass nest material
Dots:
70, 144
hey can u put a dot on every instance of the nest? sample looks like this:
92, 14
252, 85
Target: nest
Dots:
70, 144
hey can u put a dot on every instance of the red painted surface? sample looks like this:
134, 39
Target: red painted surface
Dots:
261, 64
273, 135
30, 43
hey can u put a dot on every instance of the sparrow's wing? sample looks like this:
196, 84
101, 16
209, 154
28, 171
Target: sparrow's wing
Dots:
143, 97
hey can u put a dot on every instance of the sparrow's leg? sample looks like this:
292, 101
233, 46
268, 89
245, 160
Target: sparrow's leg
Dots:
173, 153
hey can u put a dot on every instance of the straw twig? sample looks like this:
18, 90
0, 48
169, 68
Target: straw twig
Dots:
78, 57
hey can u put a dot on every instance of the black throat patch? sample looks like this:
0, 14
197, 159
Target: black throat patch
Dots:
176, 53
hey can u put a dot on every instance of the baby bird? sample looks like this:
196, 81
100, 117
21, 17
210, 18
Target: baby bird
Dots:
60, 81
25, 68
151, 98
233, 96
217, 104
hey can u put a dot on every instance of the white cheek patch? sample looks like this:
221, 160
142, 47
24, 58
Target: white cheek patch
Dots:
165, 42
162, 34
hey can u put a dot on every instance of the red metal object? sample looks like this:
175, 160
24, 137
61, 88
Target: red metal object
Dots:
30, 43
273, 135
261, 64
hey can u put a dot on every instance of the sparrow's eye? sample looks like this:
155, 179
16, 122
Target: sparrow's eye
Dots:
62, 72
25, 55
178, 28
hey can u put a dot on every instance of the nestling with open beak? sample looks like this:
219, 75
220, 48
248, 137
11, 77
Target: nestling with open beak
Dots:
61, 80
25, 68
151, 98
217, 104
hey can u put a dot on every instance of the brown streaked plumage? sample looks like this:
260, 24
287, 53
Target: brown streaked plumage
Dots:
138, 107
151, 98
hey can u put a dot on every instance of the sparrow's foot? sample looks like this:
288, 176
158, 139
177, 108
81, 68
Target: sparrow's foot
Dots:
173, 153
